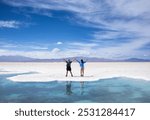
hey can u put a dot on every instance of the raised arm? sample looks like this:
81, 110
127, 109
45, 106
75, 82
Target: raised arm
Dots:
74, 59
65, 60
85, 60
78, 61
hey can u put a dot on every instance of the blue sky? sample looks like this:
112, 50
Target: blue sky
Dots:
115, 29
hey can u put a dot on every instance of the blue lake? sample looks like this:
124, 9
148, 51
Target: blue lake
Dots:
122, 90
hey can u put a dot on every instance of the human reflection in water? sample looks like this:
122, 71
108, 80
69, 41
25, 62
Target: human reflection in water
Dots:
82, 87
68, 88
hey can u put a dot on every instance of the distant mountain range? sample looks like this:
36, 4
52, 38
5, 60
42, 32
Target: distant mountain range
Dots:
90, 59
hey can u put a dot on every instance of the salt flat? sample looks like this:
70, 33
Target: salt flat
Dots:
43, 72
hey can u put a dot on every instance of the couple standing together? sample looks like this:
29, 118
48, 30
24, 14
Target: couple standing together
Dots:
68, 66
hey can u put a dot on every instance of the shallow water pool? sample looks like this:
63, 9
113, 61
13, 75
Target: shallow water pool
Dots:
122, 90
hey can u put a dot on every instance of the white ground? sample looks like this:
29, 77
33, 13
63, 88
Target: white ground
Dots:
42, 72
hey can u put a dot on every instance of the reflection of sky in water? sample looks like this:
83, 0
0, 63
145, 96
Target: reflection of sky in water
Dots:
105, 90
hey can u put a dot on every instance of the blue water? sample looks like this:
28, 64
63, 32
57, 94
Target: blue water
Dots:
122, 90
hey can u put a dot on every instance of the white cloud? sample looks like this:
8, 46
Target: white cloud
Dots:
55, 50
123, 51
32, 54
8, 45
129, 18
70, 5
109, 35
34, 47
59, 43
9, 24
27, 46
81, 44
130, 7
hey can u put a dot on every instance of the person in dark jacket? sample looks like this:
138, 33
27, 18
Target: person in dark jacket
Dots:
68, 67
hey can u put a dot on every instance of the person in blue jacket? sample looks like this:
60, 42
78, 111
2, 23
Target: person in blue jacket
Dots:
81, 62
